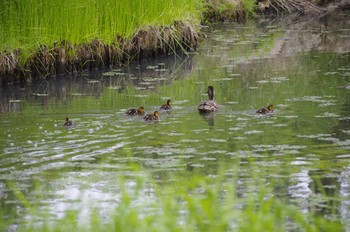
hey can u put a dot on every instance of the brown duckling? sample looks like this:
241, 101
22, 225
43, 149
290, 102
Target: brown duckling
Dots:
166, 106
133, 112
152, 117
68, 122
267, 110
210, 105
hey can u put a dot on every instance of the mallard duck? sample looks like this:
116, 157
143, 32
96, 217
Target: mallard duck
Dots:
152, 117
209, 105
166, 106
267, 110
133, 112
68, 122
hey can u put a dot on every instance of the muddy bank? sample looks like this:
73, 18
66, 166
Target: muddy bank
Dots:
65, 57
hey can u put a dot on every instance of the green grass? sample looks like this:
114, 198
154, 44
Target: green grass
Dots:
29, 24
195, 203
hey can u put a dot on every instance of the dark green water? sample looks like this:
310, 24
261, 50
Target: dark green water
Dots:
303, 148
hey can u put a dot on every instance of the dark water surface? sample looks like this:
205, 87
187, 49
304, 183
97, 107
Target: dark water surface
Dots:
303, 69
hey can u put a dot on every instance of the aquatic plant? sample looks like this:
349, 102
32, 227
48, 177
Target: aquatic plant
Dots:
188, 204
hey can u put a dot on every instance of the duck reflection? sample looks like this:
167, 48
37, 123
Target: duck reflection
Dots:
209, 117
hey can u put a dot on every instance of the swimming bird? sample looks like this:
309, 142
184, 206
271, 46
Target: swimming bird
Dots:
133, 112
210, 105
152, 117
267, 110
68, 122
166, 106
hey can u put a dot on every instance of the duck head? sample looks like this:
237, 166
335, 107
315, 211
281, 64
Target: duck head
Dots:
270, 108
141, 110
156, 114
211, 93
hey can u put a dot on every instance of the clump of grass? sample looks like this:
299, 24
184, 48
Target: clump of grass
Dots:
40, 38
29, 24
194, 203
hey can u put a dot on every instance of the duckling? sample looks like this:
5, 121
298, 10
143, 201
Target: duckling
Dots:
152, 117
133, 112
166, 106
68, 122
267, 110
209, 105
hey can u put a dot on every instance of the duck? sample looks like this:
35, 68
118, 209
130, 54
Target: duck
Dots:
68, 122
210, 105
133, 112
267, 110
166, 106
152, 117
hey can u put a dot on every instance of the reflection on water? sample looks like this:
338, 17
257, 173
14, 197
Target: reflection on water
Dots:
299, 189
344, 193
303, 146
141, 75
209, 117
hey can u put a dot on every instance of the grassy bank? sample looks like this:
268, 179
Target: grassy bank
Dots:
29, 24
39, 38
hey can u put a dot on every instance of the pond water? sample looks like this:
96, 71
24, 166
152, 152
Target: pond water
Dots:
303, 69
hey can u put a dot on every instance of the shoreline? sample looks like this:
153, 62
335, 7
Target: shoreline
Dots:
66, 58
146, 43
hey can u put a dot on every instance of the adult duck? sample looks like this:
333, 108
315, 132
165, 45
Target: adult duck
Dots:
152, 117
68, 122
133, 112
210, 105
267, 110
166, 106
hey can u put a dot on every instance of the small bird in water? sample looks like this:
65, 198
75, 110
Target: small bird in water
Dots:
166, 106
152, 117
68, 122
210, 105
267, 110
133, 112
